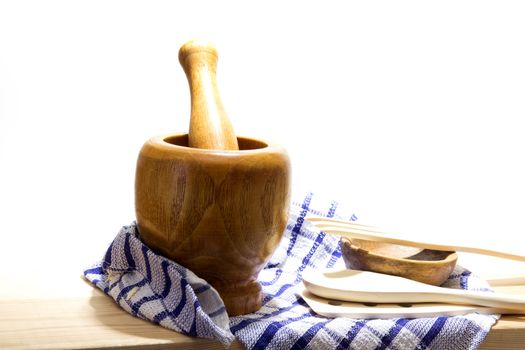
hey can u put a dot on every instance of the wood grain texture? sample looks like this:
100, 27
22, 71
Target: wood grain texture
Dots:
88, 319
507, 334
212, 202
94, 321
210, 127
427, 266
219, 213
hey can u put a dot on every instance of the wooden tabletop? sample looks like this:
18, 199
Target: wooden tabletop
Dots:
88, 319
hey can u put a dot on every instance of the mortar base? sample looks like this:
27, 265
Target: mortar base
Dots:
241, 299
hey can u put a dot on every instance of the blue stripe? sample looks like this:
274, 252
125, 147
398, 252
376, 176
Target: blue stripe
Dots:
175, 313
167, 280
246, 322
299, 223
127, 253
333, 208
146, 261
278, 273
272, 265
193, 329
463, 279
394, 331
107, 257
433, 331
377, 332
95, 270
182, 302
317, 212
295, 231
336, 254
305, 339
281, 290
217, 312
306, 259
350, 335
124, 291
266, 337
202, 289
160, 316
136, 306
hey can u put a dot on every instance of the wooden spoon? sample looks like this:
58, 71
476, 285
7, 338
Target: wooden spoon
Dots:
354, 230
210, 127
338, 308
371, 287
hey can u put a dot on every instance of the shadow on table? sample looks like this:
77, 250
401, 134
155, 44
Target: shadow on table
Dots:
134, 330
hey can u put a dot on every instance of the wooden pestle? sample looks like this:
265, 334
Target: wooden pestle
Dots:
210, 127
213, 202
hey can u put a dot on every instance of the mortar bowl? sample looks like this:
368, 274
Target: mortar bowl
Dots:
423, 265
219, 213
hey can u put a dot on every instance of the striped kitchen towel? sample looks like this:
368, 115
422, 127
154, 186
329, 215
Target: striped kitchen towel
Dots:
157, 289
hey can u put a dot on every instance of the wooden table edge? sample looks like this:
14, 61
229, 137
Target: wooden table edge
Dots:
95, 321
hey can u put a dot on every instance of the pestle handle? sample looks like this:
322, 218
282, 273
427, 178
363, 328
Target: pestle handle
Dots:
210, 127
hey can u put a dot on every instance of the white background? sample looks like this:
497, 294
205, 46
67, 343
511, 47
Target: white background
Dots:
410, 112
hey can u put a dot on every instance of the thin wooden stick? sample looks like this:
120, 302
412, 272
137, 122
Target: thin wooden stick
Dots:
353, 230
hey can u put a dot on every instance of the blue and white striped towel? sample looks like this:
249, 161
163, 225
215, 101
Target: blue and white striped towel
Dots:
157, 289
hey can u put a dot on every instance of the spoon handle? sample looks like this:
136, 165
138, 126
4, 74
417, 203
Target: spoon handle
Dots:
372, 287
210, 127
359, 231
499, 300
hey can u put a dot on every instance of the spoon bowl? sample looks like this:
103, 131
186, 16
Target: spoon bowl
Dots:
422, 265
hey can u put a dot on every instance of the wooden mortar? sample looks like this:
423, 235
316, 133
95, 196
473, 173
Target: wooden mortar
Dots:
213, 202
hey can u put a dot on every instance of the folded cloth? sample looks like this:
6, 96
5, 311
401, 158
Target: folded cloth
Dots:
155, 288
158, 289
